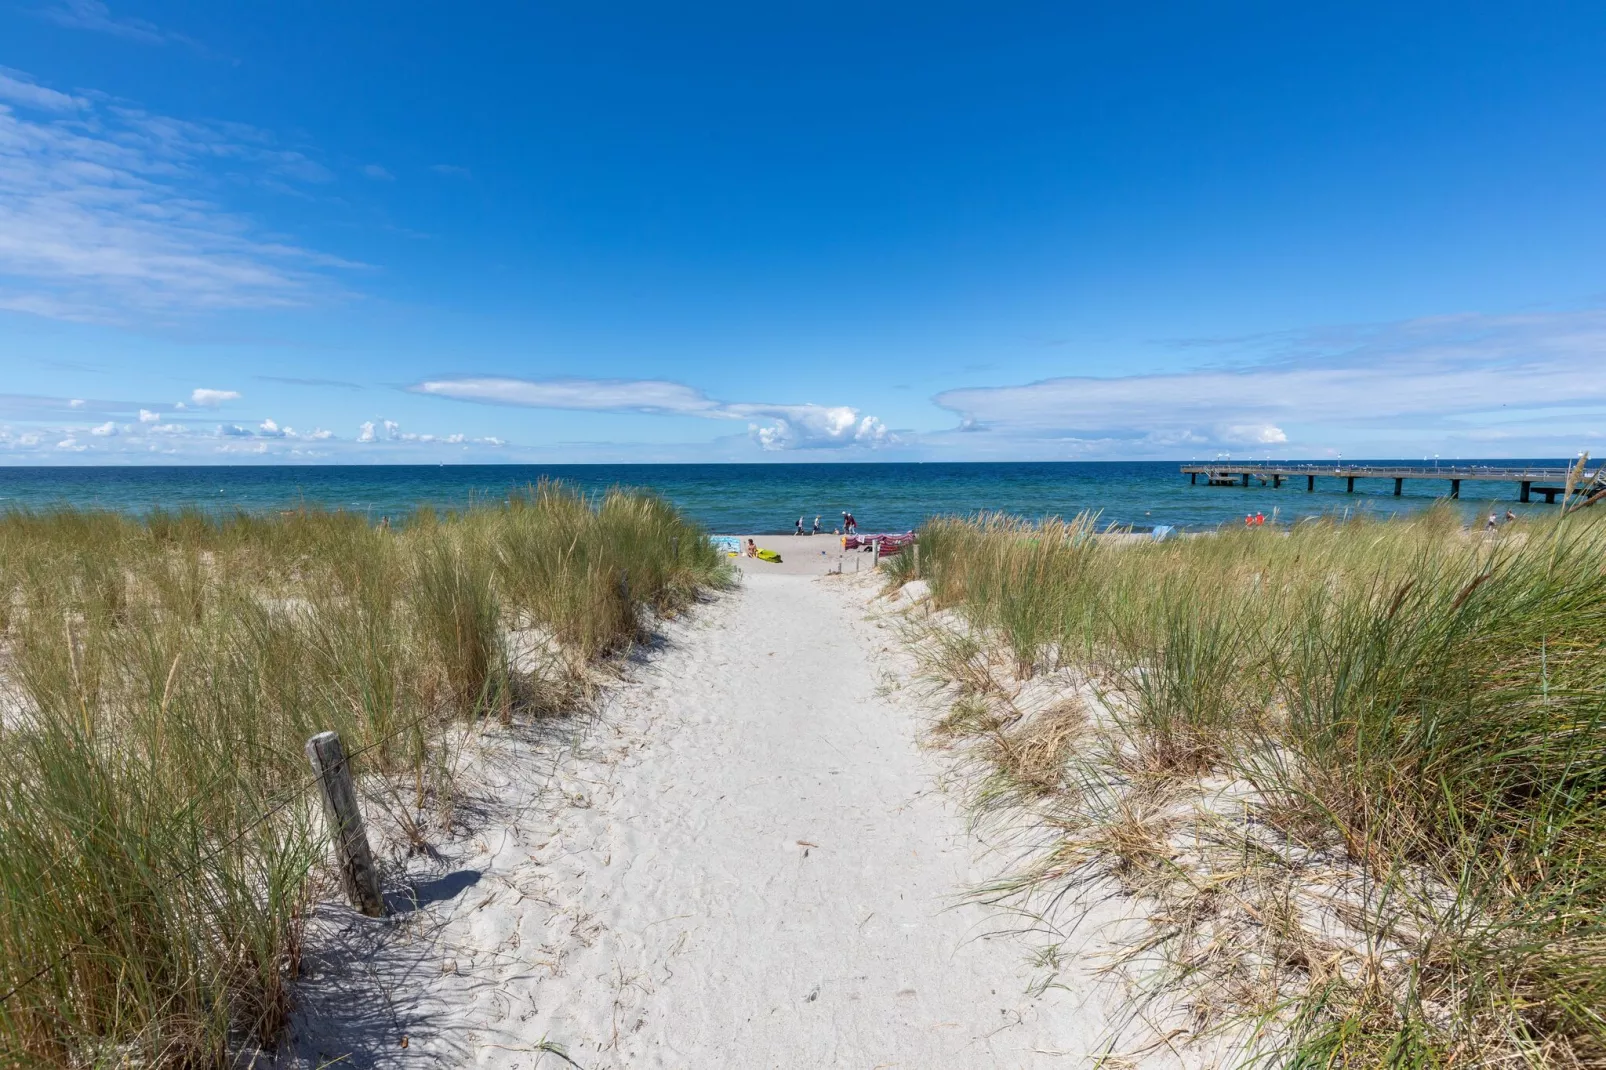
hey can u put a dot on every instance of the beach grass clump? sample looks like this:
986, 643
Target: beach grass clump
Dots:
159, 676
1413, 711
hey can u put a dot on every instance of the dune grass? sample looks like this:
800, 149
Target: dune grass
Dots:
1417, 707
159, 677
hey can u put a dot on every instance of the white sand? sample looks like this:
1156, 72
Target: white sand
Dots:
745, 863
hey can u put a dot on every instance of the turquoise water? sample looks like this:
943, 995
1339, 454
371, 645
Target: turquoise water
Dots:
756, 498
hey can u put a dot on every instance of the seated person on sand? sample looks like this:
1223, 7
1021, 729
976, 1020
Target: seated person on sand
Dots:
752, 548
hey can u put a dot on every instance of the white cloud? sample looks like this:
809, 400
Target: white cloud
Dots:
76, 403
146, 416
109, 213
773, 427
232, 431
320, 435
105, 430
168, 429
71, 445
1384, 386
374, 170
208, 398
455, 439
95, 15
272, 430
365, 433
20, 89
795, 427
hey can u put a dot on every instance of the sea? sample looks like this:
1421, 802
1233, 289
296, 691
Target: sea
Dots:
760, 498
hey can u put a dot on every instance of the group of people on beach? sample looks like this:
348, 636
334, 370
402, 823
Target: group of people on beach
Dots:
849, 526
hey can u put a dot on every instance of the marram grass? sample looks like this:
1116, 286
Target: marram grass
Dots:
159, 678
1424, 704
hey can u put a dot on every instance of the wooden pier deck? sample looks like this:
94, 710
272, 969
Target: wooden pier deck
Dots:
1549, 482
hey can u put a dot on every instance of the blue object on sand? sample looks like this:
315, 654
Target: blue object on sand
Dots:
1161, 531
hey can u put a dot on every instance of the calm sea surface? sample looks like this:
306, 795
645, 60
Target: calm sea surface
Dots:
758, 498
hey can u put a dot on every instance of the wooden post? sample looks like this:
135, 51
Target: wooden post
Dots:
1455, 488
1310, 484
1351, 487
916, 551
1399, 485
1527, 489
1276, 482
358, 874
875, 554
1246, 479
1193, 478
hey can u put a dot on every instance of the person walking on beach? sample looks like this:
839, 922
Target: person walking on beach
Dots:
799, 530
1494, 522
816, 530
850, 525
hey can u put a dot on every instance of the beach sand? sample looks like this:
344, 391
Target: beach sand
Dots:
802, 555
745, 861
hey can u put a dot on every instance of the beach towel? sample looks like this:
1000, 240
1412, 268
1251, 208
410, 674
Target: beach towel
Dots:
769, 555
726, 544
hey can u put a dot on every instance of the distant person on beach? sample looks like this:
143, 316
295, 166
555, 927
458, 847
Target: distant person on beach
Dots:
816, 530
1494, 522
850, 525
1260, 520
1510, 516
752, 548
799, 530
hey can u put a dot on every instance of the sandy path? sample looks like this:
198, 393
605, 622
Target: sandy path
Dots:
755, 869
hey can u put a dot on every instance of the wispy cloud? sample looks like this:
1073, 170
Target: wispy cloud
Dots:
376, 171
1410, 382
106, 212
773, 427
96, 16
17, 88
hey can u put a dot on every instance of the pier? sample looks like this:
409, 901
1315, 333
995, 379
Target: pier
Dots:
1549, 482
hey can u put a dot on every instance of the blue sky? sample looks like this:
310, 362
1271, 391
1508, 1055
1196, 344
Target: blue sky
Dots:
505, 232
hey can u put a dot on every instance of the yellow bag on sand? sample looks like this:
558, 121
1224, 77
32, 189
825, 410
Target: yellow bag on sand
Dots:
769, 555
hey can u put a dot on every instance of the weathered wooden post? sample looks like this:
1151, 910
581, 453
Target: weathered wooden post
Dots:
1399, 486
1310, 484
875, 554
358, 874
1455, 488
1527, 489
916, 551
